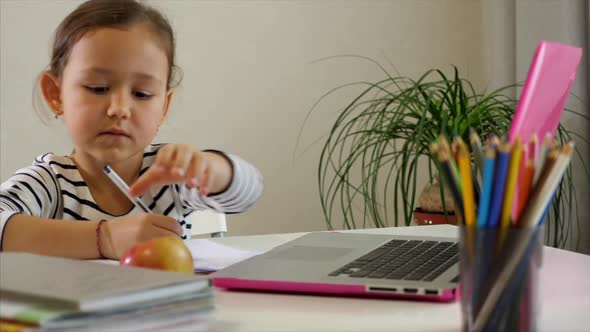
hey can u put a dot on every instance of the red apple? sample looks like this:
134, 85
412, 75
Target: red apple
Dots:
166, 253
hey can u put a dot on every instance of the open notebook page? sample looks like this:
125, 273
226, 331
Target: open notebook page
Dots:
209, 255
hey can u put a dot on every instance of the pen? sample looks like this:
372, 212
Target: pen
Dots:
124, 188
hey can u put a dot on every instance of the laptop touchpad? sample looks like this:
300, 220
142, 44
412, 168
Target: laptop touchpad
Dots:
310, 253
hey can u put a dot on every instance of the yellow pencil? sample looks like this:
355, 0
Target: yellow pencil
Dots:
511, 178
467, 180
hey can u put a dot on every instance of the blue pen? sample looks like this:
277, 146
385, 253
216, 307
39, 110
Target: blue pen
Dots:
499, 184
487, 184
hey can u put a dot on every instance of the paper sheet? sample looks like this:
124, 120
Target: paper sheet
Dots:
211, 256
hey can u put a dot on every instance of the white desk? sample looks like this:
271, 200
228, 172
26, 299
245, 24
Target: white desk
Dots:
565, 297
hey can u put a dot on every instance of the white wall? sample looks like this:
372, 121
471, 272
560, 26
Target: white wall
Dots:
249, 80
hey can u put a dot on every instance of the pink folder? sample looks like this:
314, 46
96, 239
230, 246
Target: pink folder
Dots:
545, 91
543, 96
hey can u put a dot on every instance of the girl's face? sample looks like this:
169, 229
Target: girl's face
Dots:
113, 92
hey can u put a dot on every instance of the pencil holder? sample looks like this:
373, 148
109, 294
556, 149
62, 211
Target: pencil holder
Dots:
499, 278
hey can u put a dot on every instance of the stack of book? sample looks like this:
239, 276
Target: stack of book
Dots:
42, 293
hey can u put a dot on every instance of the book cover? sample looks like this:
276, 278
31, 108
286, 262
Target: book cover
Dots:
86, 286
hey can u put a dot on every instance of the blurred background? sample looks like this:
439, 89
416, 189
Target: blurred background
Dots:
251, 75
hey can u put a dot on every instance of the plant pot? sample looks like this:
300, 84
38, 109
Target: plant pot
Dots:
422, 217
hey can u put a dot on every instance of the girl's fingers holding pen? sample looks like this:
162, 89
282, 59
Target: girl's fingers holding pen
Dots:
166, 156
155, 175
182, 158
176, 158
195, 171
146, 180
205, 179
166, 224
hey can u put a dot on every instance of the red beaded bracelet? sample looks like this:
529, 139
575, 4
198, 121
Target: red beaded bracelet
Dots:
100, 254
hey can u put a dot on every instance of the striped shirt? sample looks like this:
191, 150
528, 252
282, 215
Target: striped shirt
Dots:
53, 188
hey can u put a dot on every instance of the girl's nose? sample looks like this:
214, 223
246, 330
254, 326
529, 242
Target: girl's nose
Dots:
120, 105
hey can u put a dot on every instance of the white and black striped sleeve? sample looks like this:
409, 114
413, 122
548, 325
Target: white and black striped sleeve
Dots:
245, 189
33, 191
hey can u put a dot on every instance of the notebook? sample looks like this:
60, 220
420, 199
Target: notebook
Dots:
86, 286
351, 264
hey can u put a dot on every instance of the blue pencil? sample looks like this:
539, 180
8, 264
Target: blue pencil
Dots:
499, 185
487, 184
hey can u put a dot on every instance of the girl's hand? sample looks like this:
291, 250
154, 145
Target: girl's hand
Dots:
119, 234
178, 163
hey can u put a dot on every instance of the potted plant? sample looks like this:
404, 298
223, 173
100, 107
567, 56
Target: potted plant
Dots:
434, 208
378, 149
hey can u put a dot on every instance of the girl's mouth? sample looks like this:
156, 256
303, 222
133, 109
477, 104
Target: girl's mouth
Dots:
114, 132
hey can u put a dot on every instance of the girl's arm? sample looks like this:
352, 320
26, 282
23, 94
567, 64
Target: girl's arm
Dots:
229, 180
244, 189
79, 239
30, 220
64, 238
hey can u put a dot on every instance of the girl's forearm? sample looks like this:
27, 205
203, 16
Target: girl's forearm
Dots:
223, 165
64, 238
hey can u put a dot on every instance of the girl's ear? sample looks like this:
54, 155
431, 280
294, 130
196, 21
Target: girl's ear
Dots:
167, 103
51, 92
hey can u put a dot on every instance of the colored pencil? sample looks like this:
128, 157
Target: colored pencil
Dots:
511, 178
531, 218
525, 185
543, 192
502, 159
476, 147
474, 183
494, 142
454, 162
445, 162
467, 178
545, 147
533, 147
444, 143
487, 184
550, 159
510, 186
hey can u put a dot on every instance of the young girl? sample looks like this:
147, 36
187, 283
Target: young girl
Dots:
110, 77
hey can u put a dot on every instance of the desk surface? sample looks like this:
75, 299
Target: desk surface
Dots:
564, 293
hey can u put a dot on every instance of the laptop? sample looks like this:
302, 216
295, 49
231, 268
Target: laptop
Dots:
352, 264
550, 77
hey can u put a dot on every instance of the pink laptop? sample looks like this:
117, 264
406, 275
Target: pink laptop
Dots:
549, 80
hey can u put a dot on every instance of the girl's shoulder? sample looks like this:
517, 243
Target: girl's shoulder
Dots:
65, 165
152, 149
54, 161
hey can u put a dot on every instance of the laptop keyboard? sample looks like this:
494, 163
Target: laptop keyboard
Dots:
403, 260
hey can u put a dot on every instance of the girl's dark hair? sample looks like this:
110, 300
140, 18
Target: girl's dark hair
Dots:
94, 14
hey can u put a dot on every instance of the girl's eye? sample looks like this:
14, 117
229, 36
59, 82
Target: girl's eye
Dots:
98, 89
142, 95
